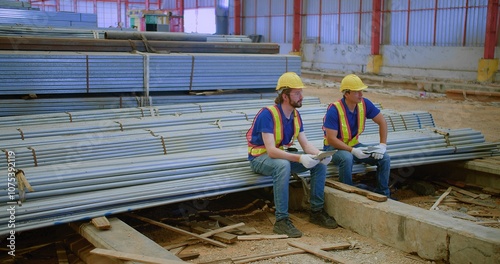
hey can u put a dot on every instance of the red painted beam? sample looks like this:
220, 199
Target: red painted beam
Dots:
297, 6
491, 30
180, 9
376, 23
237, 17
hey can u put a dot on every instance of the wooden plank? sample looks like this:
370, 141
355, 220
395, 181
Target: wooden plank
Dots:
81, 248
225, 221
178, 230
188, 255
462, 191
318, 252
492, 191
252, 258
222, 236
101, 223
62, 256
182, 244
122, 237
222, 229
351, 189
261, 237
433, 207
134, 257
470, 201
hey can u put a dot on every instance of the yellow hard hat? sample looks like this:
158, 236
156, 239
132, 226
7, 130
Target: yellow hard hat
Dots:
289, 80
353, 83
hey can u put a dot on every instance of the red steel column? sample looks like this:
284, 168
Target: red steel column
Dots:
376, 15
237, 17
180, 8
297, 4
119, 12
491, 30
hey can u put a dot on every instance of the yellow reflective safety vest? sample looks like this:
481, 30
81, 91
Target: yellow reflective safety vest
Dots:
345, 128
257, 150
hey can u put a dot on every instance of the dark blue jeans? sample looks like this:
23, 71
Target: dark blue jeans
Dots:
280, 170
344, 160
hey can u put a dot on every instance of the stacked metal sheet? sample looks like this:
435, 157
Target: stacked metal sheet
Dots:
95, 166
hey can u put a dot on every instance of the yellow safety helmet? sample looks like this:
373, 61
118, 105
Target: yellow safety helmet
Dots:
353, 83
289, 80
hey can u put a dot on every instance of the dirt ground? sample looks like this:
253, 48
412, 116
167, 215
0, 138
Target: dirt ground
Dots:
447, 113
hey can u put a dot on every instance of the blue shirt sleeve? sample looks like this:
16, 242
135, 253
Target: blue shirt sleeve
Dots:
371, 110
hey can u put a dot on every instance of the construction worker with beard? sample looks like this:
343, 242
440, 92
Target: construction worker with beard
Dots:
343, 124
273, 131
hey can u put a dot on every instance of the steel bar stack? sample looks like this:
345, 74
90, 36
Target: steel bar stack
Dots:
95, 166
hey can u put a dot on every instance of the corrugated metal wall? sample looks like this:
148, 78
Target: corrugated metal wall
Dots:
405, 22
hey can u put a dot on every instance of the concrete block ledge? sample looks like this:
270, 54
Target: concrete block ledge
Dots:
428, 234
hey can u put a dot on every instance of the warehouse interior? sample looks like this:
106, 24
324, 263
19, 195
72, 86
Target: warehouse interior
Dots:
123, 122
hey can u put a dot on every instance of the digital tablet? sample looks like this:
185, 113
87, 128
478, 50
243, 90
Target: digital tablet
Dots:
370, 149
325, 154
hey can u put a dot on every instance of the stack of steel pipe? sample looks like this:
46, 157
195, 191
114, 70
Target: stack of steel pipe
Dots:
54, 32
138, 112
76, 138
31, 43
101, 167
97, 73
18, 107
172, 36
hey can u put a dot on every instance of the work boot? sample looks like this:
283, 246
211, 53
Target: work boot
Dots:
321, 218
285, 227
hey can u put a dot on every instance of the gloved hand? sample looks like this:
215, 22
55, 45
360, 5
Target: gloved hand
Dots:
358, 153
379, 153
308, 160
326, 160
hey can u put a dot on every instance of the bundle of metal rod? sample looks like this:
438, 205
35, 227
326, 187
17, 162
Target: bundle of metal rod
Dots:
112, 186
153, 178
14, 111
37, 18
118, 45
58, 104
98, 167
114, 114
223, 96
172, 134
53, 32
174, 36
72, 73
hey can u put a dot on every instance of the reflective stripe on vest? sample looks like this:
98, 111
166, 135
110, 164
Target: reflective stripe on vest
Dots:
256, 150
345, 128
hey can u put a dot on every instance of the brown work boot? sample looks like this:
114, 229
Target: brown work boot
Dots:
321, 218
285, 227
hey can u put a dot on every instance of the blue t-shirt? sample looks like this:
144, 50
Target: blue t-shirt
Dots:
264, 124
332, 121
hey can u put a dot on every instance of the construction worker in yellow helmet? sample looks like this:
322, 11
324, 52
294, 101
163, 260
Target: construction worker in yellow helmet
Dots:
270, 139
344, 122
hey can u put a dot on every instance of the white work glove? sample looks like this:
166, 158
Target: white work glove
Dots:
379, 153
308, 160
326, 160
358, 153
